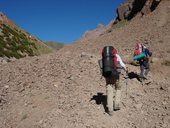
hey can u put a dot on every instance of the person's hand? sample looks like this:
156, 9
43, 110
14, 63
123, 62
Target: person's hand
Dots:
126, 71
125, 75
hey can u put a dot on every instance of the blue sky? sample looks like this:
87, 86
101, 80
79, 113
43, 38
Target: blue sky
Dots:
59, 20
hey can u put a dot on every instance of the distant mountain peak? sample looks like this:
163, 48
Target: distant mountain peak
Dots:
90, 34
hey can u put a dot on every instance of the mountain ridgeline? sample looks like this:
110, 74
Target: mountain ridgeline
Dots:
17, 43
131, 8
125, 12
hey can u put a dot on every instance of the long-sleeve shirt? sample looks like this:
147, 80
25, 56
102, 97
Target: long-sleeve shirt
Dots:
121, 62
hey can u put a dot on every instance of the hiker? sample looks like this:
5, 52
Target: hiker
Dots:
111, 70
142, 55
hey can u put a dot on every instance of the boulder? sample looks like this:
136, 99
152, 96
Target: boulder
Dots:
131, 8
123, 11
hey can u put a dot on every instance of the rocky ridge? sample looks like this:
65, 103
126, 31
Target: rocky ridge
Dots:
125, 12
131, 8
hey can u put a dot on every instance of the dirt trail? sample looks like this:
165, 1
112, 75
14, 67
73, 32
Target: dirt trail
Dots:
54, 92
65, 89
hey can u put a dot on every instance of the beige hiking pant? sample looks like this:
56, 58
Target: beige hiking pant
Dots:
110, 83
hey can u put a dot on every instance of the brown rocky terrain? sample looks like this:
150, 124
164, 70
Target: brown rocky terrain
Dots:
65, 90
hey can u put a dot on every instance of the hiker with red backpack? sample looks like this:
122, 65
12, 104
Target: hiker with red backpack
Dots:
142, 55
111, 65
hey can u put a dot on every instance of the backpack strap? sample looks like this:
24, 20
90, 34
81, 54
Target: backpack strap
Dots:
147, 52
114, 58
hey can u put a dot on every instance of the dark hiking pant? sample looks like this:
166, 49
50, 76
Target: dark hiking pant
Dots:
144, 70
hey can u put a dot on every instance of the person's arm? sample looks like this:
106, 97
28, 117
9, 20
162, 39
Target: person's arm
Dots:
148, 52
121, 62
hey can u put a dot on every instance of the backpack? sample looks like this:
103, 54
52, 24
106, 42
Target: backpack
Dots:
139, 49
109, 61
141, 52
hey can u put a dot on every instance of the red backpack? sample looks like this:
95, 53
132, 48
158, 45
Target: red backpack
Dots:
139, 49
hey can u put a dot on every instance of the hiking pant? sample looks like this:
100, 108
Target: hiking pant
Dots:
144, 70
110, 83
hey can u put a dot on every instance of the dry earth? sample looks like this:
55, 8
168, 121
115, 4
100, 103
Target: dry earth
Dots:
65, 90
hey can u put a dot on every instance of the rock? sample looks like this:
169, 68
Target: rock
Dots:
123, 11
154, 60
83, 54
1, 59
138, 106
163, 87
12, 59
4, 61
168, 89
6, 86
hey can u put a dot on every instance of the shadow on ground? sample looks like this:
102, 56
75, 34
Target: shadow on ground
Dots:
133, 75
100, 99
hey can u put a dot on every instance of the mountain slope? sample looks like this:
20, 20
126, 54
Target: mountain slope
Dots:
125, 12
65, 90
55, 45
17, 43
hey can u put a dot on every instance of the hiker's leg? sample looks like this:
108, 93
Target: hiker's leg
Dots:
146, 73
117, 95
142, 71
110, 97
117, 100
109, 92
147, 69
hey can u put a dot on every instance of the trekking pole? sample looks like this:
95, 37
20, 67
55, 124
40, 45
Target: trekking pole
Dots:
101, 66
126, 81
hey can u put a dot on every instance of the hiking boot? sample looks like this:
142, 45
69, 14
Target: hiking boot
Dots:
145, 80
110, 113
148, 81
117, 100
142, 79
116, 108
